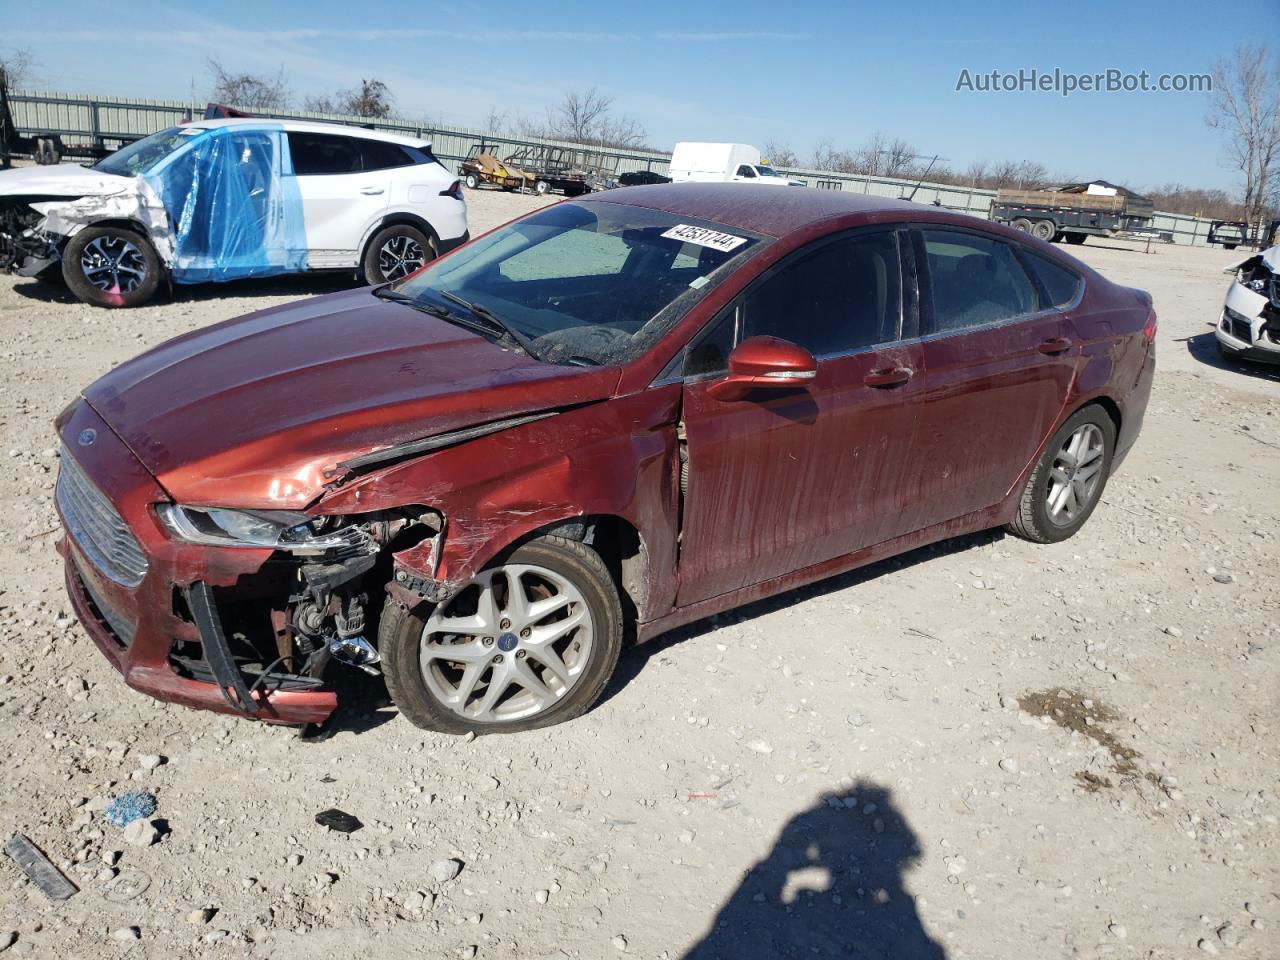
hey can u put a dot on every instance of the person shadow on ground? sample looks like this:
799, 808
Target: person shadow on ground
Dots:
830, 887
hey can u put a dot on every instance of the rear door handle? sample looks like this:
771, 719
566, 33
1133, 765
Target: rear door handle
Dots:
1054, 345
371, 191
888, 377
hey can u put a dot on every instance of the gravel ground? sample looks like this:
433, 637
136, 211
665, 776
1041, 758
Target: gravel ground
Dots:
982, 749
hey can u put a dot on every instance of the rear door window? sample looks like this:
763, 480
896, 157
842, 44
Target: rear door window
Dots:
316, 154
1060, 284
975, 280
381, 155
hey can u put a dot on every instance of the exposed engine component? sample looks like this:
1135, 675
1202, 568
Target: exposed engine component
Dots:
22, 244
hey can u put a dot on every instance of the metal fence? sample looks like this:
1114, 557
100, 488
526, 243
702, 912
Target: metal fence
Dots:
110, 120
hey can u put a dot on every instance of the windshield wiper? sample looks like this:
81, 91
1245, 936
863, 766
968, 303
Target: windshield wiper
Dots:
484, 313
395, 296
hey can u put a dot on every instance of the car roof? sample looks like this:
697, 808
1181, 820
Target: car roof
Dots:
771, 210
311, 126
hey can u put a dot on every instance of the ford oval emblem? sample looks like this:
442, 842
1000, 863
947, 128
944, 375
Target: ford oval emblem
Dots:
87, 437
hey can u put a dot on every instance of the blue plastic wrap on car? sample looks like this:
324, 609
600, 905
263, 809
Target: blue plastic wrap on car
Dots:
233, 205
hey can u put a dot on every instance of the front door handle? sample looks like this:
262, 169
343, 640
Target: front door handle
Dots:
1054, 345
371, 191
888, 377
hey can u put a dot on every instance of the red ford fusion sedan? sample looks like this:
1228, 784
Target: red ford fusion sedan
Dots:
613, 416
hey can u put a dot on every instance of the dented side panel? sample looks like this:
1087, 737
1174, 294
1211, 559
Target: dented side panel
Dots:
616, 459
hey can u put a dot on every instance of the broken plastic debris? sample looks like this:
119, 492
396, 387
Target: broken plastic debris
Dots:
125, 886
128, 807
39, 869
335, 819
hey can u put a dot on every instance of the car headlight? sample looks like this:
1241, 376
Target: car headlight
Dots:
274, 529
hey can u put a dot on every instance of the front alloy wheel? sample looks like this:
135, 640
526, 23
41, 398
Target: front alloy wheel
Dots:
528, 642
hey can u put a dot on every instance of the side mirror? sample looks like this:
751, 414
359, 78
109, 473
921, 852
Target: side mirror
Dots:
764, 363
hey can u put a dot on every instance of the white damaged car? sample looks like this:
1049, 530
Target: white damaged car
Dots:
220, 200
1250, 322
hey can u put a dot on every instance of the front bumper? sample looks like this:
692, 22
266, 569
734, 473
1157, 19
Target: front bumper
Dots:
135, 628
1249, 325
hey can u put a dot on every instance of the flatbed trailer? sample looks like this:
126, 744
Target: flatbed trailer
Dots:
1056, 215
1236, 233
570, 171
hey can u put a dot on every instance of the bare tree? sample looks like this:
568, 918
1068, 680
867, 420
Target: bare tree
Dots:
587, 117
780, 154
17, 65
495, 121
258, 92
371, 99
1245, 107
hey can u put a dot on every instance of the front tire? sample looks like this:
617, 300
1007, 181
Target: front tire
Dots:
111, 267
529, 642
395, 252
1068, 479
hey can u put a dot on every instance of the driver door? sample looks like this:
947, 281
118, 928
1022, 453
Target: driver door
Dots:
787, 478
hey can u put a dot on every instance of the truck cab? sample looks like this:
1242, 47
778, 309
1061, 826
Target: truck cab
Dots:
693, 162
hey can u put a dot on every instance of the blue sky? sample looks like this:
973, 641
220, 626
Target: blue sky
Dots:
745, 71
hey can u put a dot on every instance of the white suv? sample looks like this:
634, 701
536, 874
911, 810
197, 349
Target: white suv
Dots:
219, 200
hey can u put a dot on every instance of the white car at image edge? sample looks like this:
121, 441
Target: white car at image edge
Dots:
220, 200
1249, 325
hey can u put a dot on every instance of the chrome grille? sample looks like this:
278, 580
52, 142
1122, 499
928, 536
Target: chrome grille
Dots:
98, 530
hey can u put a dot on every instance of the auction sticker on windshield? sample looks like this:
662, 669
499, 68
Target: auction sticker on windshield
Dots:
704, 237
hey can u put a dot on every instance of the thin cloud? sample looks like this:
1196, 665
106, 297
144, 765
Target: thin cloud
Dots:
731, 37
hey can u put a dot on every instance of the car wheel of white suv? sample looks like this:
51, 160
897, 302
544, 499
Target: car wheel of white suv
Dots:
395, 252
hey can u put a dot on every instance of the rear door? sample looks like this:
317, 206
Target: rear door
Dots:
782, 480
1000, 356
341, 199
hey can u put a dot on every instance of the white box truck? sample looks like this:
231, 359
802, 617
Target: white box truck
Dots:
693, 162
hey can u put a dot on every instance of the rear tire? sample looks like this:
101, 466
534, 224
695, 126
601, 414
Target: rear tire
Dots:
542, 188
1044, 229
1042, 516
1023, 224
472, 182
111, 267
411, 643
395, 252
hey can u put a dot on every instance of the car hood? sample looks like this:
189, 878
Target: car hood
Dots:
1270, 258
60, 180
258, 411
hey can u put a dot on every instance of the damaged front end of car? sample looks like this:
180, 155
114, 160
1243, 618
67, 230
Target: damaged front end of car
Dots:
26, 247
313, 601
1250, 322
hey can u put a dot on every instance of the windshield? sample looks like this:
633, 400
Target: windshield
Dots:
768, 172
593, 283
141, 155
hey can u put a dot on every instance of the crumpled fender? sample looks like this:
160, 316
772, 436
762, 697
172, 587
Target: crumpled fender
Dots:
615, 458
138, 204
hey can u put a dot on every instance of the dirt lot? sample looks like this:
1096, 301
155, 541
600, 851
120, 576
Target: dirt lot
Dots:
985, 749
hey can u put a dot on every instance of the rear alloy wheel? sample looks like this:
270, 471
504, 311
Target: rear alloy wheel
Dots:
111, 267
1044, 229
1068, 479
396, 252
529, 642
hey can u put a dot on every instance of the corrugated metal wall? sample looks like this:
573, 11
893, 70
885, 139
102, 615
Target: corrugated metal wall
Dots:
108, 119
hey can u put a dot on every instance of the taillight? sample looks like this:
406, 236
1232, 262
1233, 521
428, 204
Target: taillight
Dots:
1149, 330
455, 190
